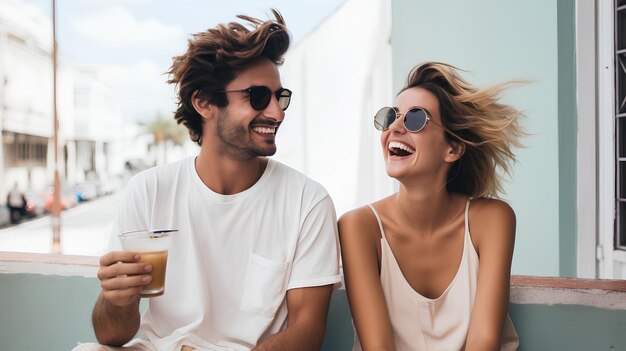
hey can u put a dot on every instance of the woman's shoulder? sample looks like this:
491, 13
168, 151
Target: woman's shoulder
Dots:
364, 214
361, 221
490, 209
492, 219
360, 217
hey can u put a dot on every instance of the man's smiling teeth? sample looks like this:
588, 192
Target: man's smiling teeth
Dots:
402, 146
264, 130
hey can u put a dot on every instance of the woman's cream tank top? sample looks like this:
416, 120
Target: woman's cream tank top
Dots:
441, 324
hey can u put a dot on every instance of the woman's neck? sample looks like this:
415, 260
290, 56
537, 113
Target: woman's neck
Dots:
425, 208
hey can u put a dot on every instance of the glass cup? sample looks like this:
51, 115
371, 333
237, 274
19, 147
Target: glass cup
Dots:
153, 246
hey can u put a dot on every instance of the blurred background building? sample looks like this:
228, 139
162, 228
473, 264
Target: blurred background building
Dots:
26, 98
95, 145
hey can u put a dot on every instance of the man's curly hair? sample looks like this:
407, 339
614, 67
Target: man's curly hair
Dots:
213, 59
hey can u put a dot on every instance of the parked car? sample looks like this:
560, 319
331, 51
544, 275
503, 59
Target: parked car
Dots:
35, 204
5, 216
88, 190
68, 199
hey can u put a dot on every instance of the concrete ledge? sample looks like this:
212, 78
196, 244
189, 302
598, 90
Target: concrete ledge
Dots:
48, 264
569, 283
599, 293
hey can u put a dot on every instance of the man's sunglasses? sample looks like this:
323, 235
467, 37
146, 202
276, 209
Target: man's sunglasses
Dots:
414, 119
260, 96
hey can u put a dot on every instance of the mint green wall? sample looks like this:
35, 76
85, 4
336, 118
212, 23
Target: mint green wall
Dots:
568, 327
40, 312
46, 312
504, 40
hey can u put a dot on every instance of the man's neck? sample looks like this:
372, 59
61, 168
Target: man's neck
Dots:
226, 176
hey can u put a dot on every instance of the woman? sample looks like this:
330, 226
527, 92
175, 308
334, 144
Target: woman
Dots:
416, 278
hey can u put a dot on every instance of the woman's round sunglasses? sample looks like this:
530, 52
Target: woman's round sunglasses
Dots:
260, 96
414, 119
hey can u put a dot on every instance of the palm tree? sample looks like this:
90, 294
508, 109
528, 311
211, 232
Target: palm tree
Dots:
165, 131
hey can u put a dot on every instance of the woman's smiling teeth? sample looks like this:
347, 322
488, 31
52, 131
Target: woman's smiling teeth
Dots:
265, 130
399, 149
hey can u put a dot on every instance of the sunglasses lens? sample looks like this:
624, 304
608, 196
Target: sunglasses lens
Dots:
415, 119
260, 97
384, 118
284, 98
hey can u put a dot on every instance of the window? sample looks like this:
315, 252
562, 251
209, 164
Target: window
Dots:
25, 150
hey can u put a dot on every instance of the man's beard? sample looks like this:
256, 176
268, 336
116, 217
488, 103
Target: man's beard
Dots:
236, 140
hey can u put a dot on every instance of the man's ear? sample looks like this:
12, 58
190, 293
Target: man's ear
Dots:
455, 151
202, 106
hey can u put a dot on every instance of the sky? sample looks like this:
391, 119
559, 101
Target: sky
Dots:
135, 40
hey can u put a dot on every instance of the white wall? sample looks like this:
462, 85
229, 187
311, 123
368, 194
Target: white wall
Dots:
340, 76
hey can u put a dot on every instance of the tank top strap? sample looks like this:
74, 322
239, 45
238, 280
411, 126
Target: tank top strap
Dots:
467, 204
380, 223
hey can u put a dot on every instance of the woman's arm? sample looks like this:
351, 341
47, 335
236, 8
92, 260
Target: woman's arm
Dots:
492, 224
306, 320
359, 237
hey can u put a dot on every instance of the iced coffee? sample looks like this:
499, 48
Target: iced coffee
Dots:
153, 246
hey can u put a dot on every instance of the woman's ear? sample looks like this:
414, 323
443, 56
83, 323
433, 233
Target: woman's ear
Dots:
455, 151
202, 106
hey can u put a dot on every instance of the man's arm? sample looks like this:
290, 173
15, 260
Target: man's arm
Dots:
113, 325
307, 309
115, 316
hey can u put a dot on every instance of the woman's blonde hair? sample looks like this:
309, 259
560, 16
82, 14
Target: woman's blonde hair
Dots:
472, 116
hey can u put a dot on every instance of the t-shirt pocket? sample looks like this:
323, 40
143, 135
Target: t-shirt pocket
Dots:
265, 285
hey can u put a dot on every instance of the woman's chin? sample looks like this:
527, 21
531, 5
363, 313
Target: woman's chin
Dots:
395, 172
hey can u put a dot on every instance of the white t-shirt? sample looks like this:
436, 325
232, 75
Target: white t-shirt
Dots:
234, 257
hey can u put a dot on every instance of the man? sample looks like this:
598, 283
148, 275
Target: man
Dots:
256, 255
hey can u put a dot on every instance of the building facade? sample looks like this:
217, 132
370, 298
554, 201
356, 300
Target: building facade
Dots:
89, 121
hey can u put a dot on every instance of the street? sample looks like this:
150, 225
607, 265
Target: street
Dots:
84, 230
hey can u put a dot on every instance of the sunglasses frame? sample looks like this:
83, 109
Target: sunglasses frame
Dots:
278, 94
403, 116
